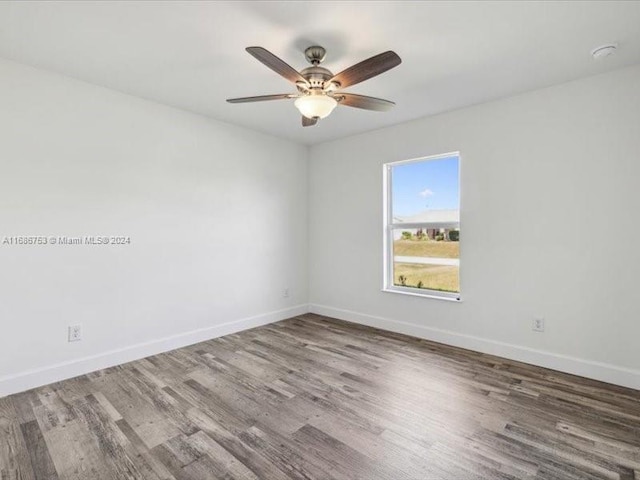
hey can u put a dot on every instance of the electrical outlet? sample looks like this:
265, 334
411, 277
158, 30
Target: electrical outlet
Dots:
285, 292
75, 333
538, 324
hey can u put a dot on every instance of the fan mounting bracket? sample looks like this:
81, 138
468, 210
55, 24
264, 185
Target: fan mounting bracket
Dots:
315, 54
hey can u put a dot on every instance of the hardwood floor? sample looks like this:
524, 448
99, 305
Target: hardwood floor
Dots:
316, 398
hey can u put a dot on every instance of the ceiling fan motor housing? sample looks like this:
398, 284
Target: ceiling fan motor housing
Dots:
316, 76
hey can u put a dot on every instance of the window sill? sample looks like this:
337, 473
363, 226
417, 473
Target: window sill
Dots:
449, 297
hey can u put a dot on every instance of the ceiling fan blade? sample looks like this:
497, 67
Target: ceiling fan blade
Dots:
261, 98
367, 69
362, 101
308, 122
276, 64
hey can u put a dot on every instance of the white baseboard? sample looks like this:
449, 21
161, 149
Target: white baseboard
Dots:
54, 373
617, 375
604, 372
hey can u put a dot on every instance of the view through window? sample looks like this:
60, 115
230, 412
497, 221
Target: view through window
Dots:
423, 226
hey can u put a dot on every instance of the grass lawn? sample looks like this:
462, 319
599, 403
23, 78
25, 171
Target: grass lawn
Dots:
434, 277
426, 248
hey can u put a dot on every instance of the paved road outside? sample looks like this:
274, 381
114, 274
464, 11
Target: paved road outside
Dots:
428, 260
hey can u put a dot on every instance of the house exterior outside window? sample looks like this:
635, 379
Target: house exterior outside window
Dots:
422, 226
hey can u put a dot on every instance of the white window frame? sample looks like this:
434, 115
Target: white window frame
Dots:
389, 226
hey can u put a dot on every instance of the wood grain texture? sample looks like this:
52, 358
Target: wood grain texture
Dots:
317, 398
367, 69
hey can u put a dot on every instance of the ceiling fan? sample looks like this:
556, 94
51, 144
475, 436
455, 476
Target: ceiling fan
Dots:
319, 90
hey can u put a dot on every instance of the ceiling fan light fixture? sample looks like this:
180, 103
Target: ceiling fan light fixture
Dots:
319, 90
315, 106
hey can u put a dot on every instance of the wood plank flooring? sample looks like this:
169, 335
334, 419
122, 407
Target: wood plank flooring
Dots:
316, 398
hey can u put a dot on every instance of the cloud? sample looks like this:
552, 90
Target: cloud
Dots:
426, 193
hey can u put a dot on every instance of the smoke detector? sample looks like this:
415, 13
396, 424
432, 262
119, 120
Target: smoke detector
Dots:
604, 51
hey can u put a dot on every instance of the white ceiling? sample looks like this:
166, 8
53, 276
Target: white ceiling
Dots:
191, 54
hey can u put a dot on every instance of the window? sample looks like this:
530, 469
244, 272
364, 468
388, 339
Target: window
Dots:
422, 226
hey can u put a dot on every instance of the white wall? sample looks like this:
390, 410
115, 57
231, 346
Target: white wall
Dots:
550, 195
216, 216
218, 219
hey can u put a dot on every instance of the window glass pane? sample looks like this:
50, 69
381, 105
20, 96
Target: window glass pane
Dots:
426, 191
427, 258
424, 254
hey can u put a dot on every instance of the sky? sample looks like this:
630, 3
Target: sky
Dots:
426, 185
